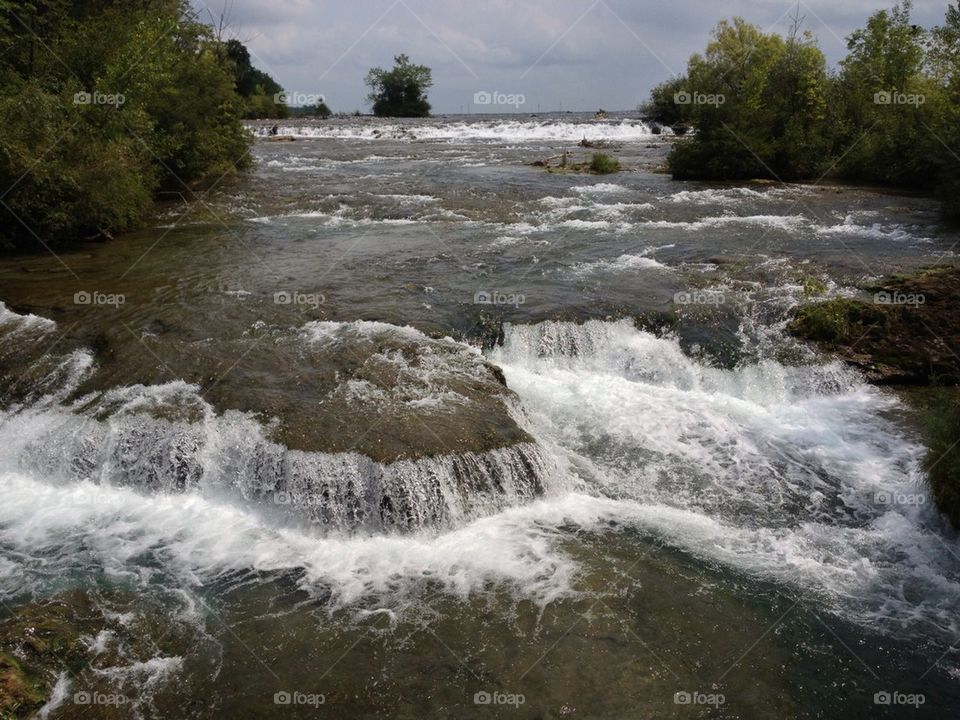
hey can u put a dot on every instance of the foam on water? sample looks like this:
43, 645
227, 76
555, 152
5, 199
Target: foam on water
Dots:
623, 264
783, 472
784, 222
509, 131
197, 538
600, 189
875, 231
733, 195
778, 472
23, 324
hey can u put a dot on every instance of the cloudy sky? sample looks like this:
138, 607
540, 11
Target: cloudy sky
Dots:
569, 54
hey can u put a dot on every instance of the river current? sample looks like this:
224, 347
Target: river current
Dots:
400, 425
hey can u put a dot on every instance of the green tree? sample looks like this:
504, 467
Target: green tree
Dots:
945, 64
881, 134
757, 102
261, 91
402, 91
105, 104
662, 106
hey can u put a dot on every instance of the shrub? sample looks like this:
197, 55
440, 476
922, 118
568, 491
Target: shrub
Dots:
603, 164
887, 116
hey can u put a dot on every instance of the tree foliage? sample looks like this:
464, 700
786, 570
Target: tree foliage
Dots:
402, 91
757, 101
888, 115
262, 94
104, 104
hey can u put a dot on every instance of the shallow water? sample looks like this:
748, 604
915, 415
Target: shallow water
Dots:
399, 419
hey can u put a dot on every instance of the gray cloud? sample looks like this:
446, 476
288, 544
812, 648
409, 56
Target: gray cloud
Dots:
578, 54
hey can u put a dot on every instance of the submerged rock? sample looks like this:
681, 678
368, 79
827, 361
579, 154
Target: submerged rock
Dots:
84, 653
41, 645
349, 425
41, 642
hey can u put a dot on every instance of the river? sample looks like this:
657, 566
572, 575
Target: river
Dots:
398, 425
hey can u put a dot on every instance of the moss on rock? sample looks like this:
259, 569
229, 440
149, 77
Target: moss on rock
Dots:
20, 693
836, 321
906, 330
37, 644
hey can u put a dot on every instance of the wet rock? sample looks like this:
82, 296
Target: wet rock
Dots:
105, 654
51, 641
41, 641
376, 426
906, 331
384, 391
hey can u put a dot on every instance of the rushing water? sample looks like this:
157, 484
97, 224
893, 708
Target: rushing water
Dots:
398, 419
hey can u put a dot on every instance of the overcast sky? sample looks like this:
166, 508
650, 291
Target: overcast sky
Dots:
569, 54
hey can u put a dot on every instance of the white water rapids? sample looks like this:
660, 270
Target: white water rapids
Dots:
780, 473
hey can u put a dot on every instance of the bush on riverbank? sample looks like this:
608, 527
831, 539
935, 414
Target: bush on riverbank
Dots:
105, 105
942, 461
890, 115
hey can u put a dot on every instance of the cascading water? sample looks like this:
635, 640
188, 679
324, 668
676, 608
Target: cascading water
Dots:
169, 439
786, 472
776, 470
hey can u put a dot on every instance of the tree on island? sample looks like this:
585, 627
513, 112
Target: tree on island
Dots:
765, 106
320, 110
401, 92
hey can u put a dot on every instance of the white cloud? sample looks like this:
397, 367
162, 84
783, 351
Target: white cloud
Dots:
327, 47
